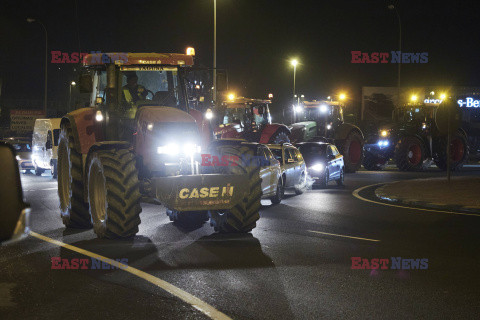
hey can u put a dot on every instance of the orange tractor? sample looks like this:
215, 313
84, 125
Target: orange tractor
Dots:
141, 138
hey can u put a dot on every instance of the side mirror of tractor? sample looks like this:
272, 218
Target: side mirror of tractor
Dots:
14, 213
85, 83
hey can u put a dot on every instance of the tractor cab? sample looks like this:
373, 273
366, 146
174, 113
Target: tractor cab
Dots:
416, 115
242, 117
323, 115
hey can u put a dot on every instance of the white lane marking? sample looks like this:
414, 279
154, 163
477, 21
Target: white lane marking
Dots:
355, 193
195, 302
343, 236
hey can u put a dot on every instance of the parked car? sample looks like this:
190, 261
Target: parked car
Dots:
294, 171
324, 162
45, 144
270, 170
23, 152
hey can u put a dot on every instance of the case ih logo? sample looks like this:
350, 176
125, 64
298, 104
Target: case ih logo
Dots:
59, 263
397, 263
212, 192
97, 57
394, 56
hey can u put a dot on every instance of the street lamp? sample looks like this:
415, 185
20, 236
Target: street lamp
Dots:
30, 20
392, 7
72, 84
215, 51
294, 63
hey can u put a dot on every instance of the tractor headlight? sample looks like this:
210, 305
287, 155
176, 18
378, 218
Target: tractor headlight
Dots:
298, 109
329, 126
18, 158
209, 114
99, 116
384, 133
317, 167
175, 149
383, 143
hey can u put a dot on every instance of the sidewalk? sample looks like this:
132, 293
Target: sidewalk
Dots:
461, 194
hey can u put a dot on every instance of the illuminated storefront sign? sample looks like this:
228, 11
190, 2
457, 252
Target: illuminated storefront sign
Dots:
433, 101
469, 103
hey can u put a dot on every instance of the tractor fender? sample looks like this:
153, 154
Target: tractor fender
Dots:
85, 132
344, 130
270, 129
95, 147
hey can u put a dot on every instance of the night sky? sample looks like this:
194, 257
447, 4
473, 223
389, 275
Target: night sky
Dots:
255, 41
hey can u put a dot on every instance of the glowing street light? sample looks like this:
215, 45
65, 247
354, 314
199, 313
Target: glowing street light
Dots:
72, 84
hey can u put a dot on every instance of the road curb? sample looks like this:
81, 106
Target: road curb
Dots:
381, 194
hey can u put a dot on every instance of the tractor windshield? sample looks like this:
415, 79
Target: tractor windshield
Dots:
157, 86
234, 114
419, 113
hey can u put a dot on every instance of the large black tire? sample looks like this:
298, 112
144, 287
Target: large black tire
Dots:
277, 198
279, 137
243, 216
325, 179
410, 154
73, 209
188, 218
113, 193
352, 150
459, 152
373, 162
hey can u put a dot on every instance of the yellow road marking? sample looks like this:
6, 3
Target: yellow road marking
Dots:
195, 302
343, 236
355, 193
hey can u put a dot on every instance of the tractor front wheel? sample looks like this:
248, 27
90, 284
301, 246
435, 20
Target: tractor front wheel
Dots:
458, 152
113, 193
410, 154
279, 137
352, 150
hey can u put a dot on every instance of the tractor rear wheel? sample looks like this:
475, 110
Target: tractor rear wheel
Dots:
458, 152
73, 209
410, 154
352, 150
113, 193
279, 137
243, 216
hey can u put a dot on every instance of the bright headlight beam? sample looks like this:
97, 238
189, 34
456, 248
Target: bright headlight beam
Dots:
317, 167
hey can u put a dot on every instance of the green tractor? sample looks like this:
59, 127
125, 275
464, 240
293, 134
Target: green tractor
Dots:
323, 121
415, 138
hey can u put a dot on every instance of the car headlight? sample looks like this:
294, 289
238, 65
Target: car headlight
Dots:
317, 167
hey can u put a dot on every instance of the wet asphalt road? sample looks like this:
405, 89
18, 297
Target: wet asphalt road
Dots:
287, 268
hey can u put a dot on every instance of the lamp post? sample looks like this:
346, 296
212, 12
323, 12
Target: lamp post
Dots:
72, 84
30, 20
294, 63
215, 51
392, 7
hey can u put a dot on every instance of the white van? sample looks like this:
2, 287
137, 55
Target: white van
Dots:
45, 145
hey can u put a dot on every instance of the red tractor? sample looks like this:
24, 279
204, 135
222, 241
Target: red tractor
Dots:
248, 119
141, 138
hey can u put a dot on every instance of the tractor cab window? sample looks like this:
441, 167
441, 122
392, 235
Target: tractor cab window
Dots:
235, 115
261, 119
418, 114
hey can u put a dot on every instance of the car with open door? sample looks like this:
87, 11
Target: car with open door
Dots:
324, 162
